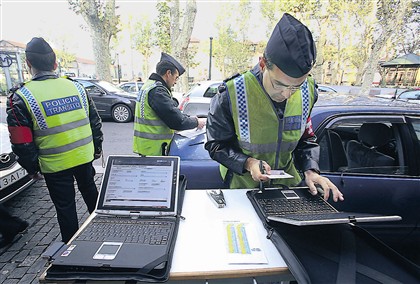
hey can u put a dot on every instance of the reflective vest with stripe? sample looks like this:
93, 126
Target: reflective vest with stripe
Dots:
150, 132
261, 134
60, 115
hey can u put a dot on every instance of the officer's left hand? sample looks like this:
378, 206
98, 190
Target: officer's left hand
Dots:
312, 179
97, 155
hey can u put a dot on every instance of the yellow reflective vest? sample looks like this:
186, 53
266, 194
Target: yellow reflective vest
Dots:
60, 114
150, 132
261, 134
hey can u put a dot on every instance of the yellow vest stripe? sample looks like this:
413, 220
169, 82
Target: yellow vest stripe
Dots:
67, 147
152, 136
61, 128
149, 121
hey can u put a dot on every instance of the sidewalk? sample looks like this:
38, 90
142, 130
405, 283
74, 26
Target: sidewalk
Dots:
21, 262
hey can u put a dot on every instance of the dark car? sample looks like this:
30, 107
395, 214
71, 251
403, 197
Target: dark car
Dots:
370, 149
111, 101
13, 178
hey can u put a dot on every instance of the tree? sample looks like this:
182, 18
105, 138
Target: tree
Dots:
173, 32
181, 35
143, 41
389, 15
103, 24
232, 49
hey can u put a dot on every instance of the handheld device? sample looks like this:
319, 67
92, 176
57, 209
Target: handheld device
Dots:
216, 195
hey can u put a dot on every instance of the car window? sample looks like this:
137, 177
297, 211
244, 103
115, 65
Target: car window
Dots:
363, 147
410, 95
211, 92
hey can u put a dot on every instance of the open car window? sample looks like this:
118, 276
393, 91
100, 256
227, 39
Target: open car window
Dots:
356, 146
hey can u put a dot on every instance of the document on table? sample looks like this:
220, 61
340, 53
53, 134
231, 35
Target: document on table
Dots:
275, 174
242, 244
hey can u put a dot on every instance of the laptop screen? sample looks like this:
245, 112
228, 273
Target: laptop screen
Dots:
136, 183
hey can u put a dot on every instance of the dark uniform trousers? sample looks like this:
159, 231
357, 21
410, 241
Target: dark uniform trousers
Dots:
9, 225
61, 188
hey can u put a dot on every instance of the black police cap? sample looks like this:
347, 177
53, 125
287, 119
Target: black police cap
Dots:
291, 47
170, 59
38, 45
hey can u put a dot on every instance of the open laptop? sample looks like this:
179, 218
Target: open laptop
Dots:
135, 222
297, 206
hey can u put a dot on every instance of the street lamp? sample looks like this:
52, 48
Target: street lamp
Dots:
211, 50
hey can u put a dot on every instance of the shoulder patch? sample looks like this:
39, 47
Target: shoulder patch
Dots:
15, 88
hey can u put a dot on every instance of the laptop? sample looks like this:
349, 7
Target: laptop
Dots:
297, 206
136, 219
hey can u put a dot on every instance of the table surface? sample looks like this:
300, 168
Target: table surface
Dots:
200, 249
200, 246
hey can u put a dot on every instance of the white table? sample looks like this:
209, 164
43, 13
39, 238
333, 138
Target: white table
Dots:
199, 255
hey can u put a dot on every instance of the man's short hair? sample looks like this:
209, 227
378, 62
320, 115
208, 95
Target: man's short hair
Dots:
41, 62
164, 66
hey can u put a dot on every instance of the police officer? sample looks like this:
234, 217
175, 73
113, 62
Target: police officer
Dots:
263, 116
157, 114
10, 226
55, 130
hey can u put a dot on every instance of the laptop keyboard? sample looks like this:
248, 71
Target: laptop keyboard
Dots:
281, 206
127, 231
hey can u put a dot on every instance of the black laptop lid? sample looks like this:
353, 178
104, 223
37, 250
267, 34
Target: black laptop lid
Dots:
144, 185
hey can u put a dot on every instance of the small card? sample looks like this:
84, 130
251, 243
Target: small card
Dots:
276, 174
242, 244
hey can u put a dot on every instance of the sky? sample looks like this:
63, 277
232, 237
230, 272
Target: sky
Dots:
52, 19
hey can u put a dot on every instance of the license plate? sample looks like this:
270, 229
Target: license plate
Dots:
12, 178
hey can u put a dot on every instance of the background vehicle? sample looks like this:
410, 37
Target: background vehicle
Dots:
13, 178
131, 87
197, 106
202, 89
323, 89
370, 149
111, 101
410, 95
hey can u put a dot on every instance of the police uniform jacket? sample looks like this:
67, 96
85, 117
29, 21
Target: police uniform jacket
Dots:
223, 145
18, 115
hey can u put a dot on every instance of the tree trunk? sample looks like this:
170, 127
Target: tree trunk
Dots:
102, 55
180, 38
391, 22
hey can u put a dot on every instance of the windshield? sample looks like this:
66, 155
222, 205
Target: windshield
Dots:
109, 87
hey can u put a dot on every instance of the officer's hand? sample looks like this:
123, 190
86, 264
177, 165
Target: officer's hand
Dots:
97, 154
36, 176
312, 179
201, 122
253, 166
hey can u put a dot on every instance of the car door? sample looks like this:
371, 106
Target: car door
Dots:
389, 190
99, 97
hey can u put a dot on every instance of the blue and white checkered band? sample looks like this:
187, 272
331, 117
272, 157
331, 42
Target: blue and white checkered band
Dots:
242, 105
36, 110
141, 98
83, 95
305, 104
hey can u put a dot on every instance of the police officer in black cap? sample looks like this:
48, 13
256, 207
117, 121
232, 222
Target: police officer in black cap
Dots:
261, 120
55, 130
157, 114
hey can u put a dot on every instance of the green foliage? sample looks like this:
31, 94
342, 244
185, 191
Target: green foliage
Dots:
163, 26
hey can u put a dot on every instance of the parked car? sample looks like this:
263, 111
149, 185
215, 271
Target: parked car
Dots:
207, 89
197, 106
13, 178
110, 100
323, 89
131, 87
412, 95
370, 149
